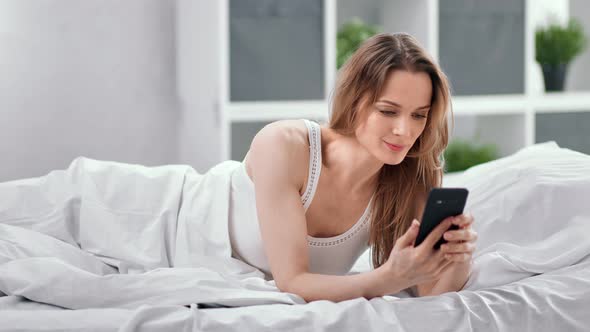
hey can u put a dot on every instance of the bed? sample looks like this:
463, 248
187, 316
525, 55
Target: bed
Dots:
118, 247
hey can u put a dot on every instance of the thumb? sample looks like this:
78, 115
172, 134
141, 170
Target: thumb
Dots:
410, 235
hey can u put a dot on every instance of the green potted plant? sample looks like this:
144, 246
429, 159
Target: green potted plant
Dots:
350, 36
555, 47
461, 155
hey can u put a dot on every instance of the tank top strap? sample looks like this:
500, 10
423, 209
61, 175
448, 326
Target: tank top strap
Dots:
315, 162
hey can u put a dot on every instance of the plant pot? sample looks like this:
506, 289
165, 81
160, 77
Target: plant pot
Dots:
554, 76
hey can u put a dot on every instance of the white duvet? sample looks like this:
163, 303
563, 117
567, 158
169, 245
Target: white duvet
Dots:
135, 248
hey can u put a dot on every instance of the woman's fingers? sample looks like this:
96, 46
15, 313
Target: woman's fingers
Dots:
457, 247
408, 238
458, 257
463, 220
466, 234
434, 236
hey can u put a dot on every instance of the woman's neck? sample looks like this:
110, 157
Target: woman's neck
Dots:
349, 164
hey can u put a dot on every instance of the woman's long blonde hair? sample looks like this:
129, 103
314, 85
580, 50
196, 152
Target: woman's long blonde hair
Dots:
400, 187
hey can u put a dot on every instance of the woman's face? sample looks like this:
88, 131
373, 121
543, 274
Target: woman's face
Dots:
396, 120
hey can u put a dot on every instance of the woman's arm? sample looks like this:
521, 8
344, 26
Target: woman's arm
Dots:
313, 287
453, 279
278, 162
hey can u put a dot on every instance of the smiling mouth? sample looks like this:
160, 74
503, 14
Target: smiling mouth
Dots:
394, 147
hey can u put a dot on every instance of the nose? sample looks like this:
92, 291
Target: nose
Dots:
401, 127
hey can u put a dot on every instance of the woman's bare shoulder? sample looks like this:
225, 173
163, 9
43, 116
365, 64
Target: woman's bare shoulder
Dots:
277, 137
293, 130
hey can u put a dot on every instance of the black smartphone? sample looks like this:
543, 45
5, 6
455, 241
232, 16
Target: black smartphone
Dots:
441, 204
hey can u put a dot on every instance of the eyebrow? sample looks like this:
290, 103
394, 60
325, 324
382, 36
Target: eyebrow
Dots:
398, 105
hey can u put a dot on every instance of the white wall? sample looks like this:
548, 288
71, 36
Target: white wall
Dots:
410, 17
96, 78
368, 11
198, 74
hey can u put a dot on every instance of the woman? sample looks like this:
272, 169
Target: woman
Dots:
324, 193
304, 204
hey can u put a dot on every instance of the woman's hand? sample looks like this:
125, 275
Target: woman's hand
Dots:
459, 250
408, 265
461, 242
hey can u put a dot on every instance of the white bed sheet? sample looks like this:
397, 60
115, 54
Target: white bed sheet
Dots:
531, 270
555, 301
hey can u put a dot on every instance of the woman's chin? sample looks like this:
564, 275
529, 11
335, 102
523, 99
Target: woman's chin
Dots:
393, 163
389, 157
393, 160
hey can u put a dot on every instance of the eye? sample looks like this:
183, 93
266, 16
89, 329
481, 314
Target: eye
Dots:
387, 113
420, 116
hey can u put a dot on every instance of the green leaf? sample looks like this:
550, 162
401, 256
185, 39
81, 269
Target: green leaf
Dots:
555, 44
461, 155
350, 36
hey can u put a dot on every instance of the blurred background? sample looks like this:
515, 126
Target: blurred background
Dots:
191, 81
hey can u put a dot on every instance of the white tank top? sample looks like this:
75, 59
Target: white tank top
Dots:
333, 255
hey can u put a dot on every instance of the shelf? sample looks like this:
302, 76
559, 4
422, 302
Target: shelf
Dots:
462, 105
489, 104
553, 102
271, 111
562, 102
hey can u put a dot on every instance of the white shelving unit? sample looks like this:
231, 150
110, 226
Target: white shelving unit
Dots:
506, 119
267, 110
561, 102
